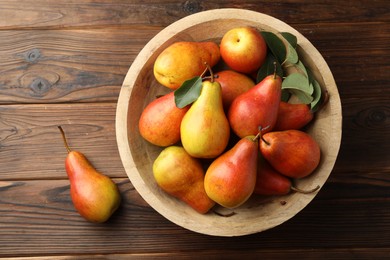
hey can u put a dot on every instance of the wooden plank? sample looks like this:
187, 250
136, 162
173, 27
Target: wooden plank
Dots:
90, 128
90, 65
314, 253
42, 66
54, 14
366, 122
40, 216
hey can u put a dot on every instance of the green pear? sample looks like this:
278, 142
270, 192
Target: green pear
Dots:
184, 60
257, 107
94, 195
205, 130
230, 179
182, 176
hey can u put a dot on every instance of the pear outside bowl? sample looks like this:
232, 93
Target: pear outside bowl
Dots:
137, 155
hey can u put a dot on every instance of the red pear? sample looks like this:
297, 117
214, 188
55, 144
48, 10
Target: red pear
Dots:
94, 195
230, 179
271, 182
293, 153
292, 116
160, 121
257, 107
233, 84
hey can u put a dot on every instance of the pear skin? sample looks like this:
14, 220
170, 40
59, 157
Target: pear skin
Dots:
258, 107
182, 61
233, 84
182, 176
292, 116
271, 182
94, 195
205, 130
231, 178
293, 153
160, 121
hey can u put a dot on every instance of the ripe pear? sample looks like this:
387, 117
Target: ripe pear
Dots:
94, 195
184, 60
292, 116
182, 176
243, 49
231, 178
271, 182
205, 130
258, 107
293, 153
160, 121
233, 84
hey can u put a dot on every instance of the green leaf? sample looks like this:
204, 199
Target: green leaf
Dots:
276, 45
291, 38
268, 68
297, 82
315, 104
291, 54
309, 75
188, 92
302, 69
302, 96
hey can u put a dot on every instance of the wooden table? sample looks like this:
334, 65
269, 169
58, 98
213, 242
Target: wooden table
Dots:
63, 62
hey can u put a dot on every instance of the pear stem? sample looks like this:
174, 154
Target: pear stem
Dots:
261, 136
305, 191
64, 138
205, 70
211, 73
256, 137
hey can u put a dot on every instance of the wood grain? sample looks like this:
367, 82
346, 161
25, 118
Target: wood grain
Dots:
64, 14
63, 62
89, 129
88, 65
30, 210
61, 65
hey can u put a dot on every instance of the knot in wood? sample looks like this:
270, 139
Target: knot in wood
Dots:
40, 86
33, 55
192, 7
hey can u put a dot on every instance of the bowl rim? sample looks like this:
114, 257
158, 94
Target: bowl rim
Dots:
169, 32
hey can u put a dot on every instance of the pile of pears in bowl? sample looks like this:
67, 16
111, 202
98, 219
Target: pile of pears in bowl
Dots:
228, 122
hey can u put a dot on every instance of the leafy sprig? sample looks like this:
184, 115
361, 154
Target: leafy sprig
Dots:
297, 78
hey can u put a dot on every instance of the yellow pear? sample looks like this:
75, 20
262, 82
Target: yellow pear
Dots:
184, 60
182, 176
204, 129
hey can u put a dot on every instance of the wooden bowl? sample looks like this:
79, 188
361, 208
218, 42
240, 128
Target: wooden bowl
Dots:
140, 87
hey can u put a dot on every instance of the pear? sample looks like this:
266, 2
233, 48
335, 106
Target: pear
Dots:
205, 130
293, 153
292, 116
94, 195
233, 84
182, 176
271, 182
160, 121
257, 107
230, 179
184, 60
